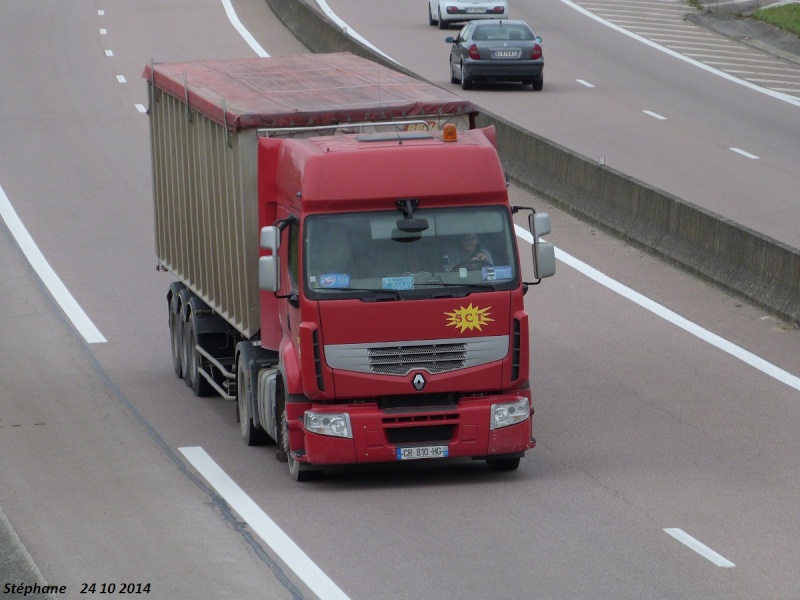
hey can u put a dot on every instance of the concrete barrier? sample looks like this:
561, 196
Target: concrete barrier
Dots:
743, 262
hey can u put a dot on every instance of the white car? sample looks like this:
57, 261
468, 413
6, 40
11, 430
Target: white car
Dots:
445, 12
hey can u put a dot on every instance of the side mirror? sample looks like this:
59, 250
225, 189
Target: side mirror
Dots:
270, 239
269, 273
269, 266
539, 224
450, 39
544, 260
544, 253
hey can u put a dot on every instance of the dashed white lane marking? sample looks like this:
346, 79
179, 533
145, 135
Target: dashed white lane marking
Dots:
655, 115
699, 547
744, 153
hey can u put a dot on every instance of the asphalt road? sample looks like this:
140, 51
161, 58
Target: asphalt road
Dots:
648, 113
642, 426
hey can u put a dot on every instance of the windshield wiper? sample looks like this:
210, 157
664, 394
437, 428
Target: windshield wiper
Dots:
480, 286
395, 294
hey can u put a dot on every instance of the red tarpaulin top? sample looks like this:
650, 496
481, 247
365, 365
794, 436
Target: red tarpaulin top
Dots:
301, 90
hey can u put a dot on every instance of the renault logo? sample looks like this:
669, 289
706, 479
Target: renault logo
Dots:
418, 382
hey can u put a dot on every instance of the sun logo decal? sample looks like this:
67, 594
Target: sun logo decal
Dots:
470, 317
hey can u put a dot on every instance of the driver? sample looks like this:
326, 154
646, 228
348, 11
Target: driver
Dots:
469, 251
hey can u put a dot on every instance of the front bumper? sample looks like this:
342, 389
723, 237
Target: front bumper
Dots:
464, 429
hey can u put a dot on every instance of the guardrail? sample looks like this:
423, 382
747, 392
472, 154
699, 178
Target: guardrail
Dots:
739, 260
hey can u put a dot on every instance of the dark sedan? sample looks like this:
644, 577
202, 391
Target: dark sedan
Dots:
502, 50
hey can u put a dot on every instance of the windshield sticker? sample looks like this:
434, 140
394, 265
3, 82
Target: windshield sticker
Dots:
470, 317
397, 283
334, 280
496, 273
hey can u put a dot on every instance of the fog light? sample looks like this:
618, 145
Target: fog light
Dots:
509, 413
334, 424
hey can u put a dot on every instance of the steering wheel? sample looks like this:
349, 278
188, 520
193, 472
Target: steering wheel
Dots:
472, 264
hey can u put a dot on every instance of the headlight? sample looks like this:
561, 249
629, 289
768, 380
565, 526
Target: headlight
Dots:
335, 424
509, 413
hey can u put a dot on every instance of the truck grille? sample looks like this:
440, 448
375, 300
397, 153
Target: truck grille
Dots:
434, 358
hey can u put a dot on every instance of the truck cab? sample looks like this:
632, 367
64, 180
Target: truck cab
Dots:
394, 341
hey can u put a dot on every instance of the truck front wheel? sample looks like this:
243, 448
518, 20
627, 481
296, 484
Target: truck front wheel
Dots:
502, 464
175, 336
299, 471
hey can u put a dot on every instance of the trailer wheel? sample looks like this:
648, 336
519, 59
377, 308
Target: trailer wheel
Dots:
252, 435
194, 380
502, 464
176, 337
299, 471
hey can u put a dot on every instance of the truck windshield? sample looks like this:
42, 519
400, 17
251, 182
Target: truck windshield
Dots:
365, 255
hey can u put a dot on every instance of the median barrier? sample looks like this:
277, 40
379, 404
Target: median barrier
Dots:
739, 260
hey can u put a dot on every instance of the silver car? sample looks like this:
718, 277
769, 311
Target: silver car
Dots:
490, 51
445, 12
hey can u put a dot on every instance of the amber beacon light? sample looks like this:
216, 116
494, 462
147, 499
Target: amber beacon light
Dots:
450, 133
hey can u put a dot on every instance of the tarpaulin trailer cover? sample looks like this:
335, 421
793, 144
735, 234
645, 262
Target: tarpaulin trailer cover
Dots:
302, 90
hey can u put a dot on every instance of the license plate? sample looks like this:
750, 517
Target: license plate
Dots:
421, 452
506, 53
476, 10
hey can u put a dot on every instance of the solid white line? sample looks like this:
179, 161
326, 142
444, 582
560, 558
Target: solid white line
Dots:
59, 291
263, 526
323, 5
743, 153
777, 95
662, 311
699, 547
237, 24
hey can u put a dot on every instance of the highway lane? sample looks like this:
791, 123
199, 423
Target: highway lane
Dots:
92, 491
641, 426
688, 154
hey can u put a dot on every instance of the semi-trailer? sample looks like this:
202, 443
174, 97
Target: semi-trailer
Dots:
345, 260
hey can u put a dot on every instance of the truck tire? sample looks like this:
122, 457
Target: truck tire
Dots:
252, 435
176, 336
502, 464
299, 471
194, 379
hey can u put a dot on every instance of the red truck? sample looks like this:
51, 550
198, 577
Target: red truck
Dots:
346, 260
